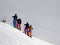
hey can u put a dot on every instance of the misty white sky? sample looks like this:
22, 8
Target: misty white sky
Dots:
44, 15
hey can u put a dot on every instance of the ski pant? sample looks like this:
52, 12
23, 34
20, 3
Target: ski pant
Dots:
14, 23
26, 31
30, 33
19, 26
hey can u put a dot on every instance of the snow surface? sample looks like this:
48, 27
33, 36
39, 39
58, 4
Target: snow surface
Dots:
11, 36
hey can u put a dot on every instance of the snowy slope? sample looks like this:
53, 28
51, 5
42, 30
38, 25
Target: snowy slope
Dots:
12, 36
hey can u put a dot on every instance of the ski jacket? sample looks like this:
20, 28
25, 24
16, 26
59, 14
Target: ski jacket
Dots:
15, 17
19, 21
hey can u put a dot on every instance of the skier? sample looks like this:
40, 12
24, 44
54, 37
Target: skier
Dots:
30, 31
14, 20
26, 28
19, 24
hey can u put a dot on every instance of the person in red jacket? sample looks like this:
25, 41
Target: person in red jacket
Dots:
19, 24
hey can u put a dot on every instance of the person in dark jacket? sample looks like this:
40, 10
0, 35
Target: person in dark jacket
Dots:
15, 17
26, 28
19, 24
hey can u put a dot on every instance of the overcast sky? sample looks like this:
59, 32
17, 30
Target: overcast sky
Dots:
44, 15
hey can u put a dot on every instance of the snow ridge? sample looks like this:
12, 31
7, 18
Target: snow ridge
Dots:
12, 36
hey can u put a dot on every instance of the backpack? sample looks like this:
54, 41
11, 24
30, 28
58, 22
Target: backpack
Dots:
30, 27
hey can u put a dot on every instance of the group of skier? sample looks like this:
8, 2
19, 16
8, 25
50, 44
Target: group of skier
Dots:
28, 29
17, 24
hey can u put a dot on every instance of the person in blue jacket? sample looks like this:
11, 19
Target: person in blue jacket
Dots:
15, 17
